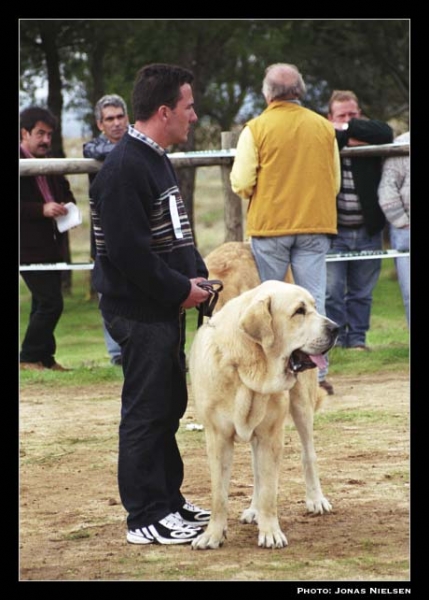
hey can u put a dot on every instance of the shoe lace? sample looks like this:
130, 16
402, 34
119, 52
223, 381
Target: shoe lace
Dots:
175, 520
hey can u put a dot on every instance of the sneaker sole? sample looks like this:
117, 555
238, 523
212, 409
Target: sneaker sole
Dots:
138, 539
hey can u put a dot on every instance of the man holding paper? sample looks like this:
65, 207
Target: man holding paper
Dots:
42, 201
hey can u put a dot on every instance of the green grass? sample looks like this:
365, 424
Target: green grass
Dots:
80, 342
388, 336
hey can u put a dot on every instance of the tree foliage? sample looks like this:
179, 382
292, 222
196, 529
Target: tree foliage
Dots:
370, 57
83, 59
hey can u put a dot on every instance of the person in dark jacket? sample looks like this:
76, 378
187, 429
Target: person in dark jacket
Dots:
350, 283
147, 270
41, 199
111, 116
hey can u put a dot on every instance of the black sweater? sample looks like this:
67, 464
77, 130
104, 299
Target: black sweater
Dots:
367, 169
142, 268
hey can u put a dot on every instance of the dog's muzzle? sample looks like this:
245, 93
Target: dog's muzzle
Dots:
300, 361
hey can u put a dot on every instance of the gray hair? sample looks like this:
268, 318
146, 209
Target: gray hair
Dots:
109, 100
283, 81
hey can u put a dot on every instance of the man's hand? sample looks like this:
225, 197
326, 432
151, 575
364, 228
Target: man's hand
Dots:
54, 209
196, 295
339, 126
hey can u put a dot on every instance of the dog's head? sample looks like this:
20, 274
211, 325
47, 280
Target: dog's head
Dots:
282, 318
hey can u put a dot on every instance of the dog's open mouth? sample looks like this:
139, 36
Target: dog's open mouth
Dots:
300, 361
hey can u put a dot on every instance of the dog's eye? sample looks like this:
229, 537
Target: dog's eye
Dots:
300, 311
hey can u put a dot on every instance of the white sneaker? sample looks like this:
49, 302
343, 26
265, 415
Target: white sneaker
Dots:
169, 530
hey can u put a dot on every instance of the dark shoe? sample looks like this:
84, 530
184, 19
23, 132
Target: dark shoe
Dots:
170, 530
57, 367
194, 515
31, 366
328, 387
117, 361
360, 347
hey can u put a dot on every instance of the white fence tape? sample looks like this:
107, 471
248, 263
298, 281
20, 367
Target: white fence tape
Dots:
365, 255
57, 267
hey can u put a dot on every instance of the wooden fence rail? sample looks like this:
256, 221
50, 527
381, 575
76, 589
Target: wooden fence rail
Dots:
205, 158
223, 158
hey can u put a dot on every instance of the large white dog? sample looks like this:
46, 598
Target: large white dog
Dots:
250, 364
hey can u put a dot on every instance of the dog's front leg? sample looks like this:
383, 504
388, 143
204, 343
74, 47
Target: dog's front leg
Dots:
220, 451
267, 456
301, 409
267, 447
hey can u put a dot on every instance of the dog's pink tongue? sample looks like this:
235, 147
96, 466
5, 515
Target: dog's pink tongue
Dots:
319, 360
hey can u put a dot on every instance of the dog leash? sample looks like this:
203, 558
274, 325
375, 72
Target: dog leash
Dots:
206, 308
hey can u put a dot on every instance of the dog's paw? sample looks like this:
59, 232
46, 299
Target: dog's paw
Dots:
250, 515
207, 541
272, 539
319, 506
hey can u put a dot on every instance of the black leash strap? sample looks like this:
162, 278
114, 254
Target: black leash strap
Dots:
206, 308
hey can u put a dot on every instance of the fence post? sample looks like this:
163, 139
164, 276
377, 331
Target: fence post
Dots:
232, 203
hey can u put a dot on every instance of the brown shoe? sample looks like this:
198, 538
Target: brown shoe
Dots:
360, 347
328, 387
31, 366
57, 367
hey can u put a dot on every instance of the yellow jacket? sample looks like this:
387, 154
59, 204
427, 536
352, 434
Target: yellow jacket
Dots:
287, 164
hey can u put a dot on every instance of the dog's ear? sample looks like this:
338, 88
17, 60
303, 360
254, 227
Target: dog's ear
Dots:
257, 322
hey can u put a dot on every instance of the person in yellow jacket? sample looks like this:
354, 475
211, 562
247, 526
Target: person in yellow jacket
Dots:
287, 165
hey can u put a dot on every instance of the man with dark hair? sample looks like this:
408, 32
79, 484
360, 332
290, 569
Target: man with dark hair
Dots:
42, 199
350, 283
147, 270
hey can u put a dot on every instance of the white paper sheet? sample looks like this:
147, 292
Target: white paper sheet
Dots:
73, 218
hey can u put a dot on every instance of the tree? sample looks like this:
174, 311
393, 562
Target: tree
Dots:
48, 48
41, 45
368, 56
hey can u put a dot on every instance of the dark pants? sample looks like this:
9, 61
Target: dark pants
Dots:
154, 398
46, 309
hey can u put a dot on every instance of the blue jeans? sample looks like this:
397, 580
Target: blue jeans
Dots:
113, 348
306, 256
154, 399
350, 284
400, 240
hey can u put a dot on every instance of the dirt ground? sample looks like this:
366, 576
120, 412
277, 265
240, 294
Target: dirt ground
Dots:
72, 524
